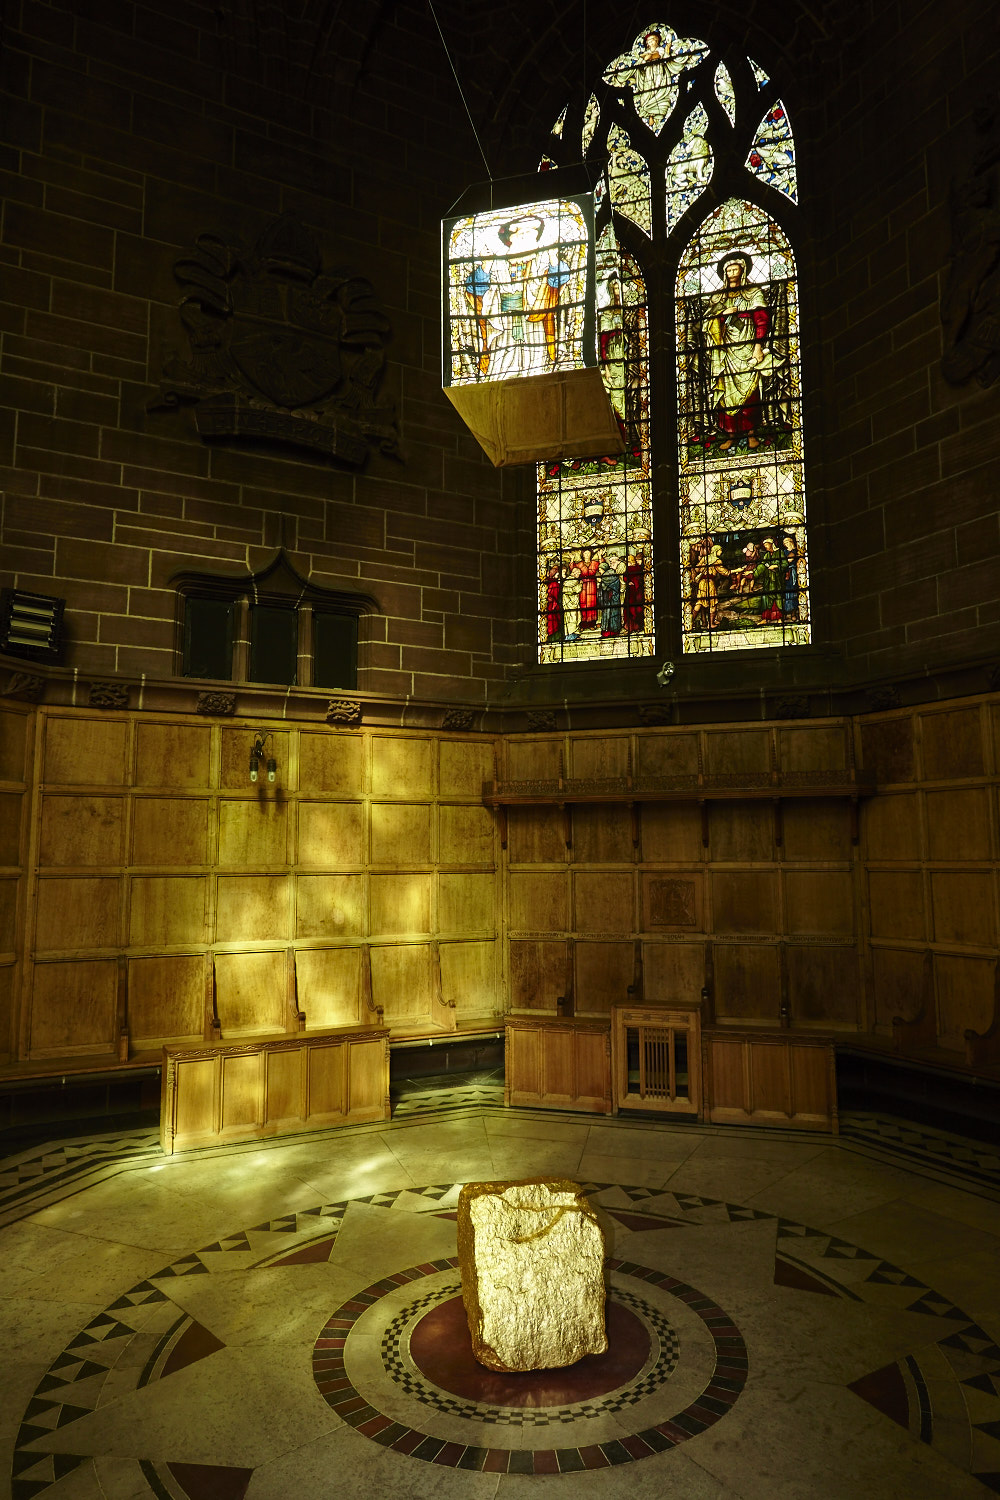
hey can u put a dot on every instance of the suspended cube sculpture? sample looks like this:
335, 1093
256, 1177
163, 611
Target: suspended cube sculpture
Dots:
520, 323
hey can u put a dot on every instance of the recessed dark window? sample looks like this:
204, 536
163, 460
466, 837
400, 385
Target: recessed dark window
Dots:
335, 650
208, 638
274, 643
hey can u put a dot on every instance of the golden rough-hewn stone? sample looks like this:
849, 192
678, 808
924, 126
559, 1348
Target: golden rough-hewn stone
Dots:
532, 1261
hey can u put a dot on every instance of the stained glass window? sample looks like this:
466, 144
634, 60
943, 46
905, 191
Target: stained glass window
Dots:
724, 91
670, 122
594, 515
742, 502
628, 175
772, 155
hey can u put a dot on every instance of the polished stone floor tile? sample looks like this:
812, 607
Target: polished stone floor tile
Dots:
792, 1316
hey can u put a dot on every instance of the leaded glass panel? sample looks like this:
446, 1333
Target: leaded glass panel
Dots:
628, 176
595, 593
759, 74
652, 69
689, 167
772, 155
724, 91
517, 282
742, 501
591, 118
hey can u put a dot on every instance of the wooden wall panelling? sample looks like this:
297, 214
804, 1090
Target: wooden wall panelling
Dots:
275, 1086
671, 832
253, 830
604, 902
777, 1078
819, 902
469, 980
965, 990
11, 809
747, 983
959, 824
603, 973
814, 747
892, 826
173, 755
166, 997
738, 753
400, 834
253, 908
745, 901
896, 904
558, 1064
167, 911
668, 753
818, 830
73, 1007
673, 973
464, 765
467, 903
330, 906
17, 724
537, 973
539, 901
8, 919
741, 832
77, 912
535, 835
400, 904
82, 750
332, 835
330, 986
333, 762
251, 992
824, 986
673, 901
602, 834
465, 835
596, 757
531, 758
963, 907
402, 767
952, 743
170, 830
403, 985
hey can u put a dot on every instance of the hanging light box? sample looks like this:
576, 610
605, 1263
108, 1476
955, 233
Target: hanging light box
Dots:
519, 319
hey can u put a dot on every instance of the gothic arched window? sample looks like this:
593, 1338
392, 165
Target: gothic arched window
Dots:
699, 191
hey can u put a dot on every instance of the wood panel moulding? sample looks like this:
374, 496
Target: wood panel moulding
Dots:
226, 1092
558, 1064
778, 1078
82, 751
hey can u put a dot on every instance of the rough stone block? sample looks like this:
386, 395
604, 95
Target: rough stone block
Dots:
532, 1261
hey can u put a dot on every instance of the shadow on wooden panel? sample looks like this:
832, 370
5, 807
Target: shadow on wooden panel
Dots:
81, 831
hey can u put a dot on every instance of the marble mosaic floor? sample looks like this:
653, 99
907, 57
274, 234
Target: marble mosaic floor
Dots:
796, 1315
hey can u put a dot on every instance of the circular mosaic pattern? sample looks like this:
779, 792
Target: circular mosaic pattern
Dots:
728, 1376
643, 1345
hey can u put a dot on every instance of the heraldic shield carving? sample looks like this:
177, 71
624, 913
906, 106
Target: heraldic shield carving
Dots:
282, 351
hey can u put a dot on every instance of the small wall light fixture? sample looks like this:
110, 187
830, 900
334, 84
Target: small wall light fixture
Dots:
258, 752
